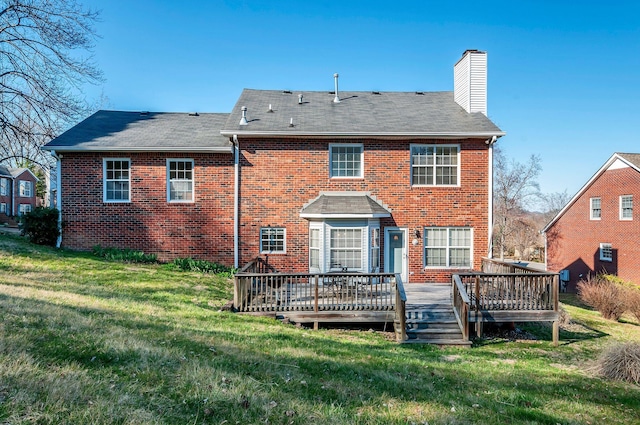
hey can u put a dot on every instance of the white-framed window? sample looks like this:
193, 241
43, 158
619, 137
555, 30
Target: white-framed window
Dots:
595, 208
4, 187
273, 240
180, 180
375, 250
345, 248
435, 165
117, 179
448, 247
346, 160
314, 249
24, 208
3, 208
25, 188
626, 207
606, 252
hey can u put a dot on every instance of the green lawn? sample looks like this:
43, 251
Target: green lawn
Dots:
87, 341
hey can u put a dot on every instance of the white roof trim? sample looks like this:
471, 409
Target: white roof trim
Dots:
615, 157
345, 215
368, 134
226, 149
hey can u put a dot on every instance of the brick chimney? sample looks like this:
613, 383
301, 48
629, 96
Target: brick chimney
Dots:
470, 81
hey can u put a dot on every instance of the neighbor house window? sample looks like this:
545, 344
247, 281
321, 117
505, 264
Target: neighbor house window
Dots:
346, 160
117, 180
25, 188
272, 240
24, 208
4, 187
180, 180
434, 165
596, 211
3, 208
626, 207
345, 248
606, 252
447, 247
314, 249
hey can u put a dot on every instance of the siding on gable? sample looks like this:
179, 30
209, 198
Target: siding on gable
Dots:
573, 241
203, 229
279, 176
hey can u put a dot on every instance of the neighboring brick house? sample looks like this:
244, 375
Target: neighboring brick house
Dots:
598, 230
314, 181
17, 191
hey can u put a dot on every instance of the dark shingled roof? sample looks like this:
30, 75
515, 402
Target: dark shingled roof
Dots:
153, 131
344, 204
13, 172
633, 158
359, 113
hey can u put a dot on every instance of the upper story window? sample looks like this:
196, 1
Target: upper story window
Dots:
626, 207
346, 160
180, 180
4, 187
606, 252
272, 240
116, 179
25, 188
435, 165
447, 247
595, 208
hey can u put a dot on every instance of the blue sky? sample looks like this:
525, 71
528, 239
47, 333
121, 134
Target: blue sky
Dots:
564, 76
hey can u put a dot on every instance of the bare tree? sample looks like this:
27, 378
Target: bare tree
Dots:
45, 58
515, 187
552, 203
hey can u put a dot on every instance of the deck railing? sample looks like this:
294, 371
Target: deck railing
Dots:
265, 292
511, 291
461, 303
490, 265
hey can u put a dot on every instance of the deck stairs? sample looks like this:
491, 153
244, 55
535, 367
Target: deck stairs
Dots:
429, 316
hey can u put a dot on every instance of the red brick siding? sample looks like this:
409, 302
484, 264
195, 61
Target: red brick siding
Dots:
203, 229
19, 200
574, 240
6, 199
280, 176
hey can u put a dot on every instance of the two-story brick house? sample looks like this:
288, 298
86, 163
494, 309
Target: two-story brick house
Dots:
17, 191
315, 181
598, 231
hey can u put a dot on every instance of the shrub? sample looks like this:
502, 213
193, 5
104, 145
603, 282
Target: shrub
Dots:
41, 226
125, 255
604, 295
203, 266
622, 362
633, 302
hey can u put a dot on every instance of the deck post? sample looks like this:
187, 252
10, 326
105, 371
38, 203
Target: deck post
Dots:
556, 333
315, 305
478, 315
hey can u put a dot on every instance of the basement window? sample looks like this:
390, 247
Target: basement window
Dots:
606, 252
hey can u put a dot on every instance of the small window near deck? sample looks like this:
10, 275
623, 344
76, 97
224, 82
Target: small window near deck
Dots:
272, 240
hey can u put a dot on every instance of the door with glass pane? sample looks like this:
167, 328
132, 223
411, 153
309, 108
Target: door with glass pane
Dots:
395, 252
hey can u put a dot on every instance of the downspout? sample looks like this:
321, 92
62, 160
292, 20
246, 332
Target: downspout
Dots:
58, 195
13, 196
236, 202
490, 142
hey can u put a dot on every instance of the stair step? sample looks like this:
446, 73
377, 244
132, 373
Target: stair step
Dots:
446, 342
433, 331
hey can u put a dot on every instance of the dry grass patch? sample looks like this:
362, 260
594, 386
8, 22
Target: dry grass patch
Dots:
621, 362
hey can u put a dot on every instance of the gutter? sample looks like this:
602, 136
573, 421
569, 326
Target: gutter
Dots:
58, 194
207, 149
236, 201
373, 135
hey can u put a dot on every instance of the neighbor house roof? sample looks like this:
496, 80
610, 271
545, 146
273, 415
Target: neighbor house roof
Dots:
617, 160
4, 171
344, 205
358, 114
15, 172
146, 131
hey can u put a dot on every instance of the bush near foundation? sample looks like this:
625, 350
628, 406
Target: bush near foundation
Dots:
604, 295
41, 226
633, 302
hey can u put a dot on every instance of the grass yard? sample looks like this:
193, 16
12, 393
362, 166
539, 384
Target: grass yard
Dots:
87, 341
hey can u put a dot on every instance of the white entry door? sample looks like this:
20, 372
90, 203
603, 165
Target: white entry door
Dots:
395, 252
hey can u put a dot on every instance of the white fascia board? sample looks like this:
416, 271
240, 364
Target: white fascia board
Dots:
328, 216
373, 135
62, 149
583, 189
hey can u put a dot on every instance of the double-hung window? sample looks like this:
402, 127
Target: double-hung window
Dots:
626, 207
24, 209
4, 187
346, 160
25, 188
3, 208
272, 240
117, 179
447, 247
435, 165
314, 249
180, 180
606, 252
345, 248
595, 208
375, 249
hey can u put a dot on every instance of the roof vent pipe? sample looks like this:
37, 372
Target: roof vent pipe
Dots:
337, 98
299, 99
243, 120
